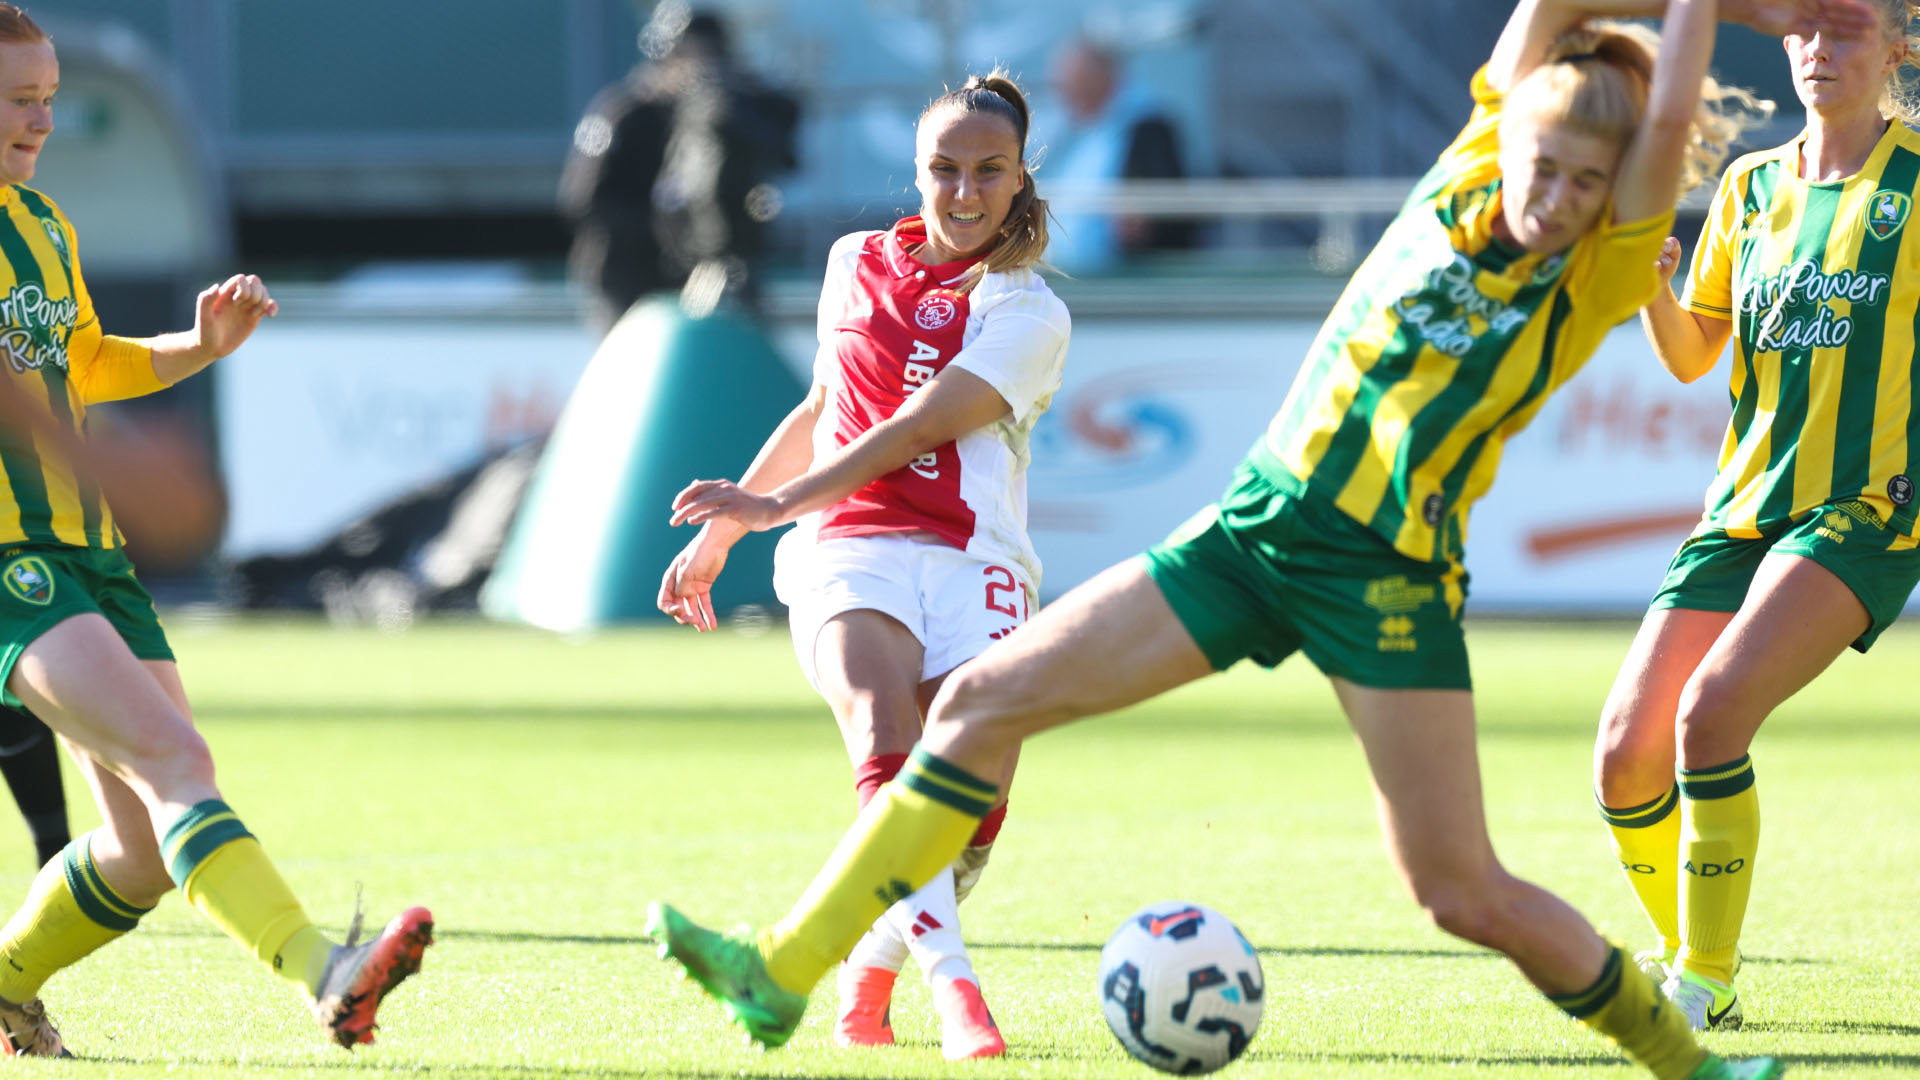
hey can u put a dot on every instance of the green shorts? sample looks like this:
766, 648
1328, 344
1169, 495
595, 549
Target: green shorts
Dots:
43, 586
1712, 570
1265, 572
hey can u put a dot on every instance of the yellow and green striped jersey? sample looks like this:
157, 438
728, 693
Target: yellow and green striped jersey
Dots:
1445, 343
52, 350
1822, 284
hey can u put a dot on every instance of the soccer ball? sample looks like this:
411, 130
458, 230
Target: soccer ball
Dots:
1181, 988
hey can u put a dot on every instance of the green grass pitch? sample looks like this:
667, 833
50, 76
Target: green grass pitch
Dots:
537, 791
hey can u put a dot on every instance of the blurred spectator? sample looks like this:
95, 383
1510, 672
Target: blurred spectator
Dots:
669, 169
1116, 131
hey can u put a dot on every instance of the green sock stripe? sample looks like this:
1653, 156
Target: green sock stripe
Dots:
953, 774
1585, 1003
939, 792
1719, 782
1646, 815
91, 871
204, 829
73, 863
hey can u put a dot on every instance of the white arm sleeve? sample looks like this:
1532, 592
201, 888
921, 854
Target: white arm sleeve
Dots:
1021, 351
833, 303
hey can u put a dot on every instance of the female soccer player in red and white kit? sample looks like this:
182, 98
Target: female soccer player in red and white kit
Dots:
905, 468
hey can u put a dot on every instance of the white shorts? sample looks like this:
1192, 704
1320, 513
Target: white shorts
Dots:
956, 604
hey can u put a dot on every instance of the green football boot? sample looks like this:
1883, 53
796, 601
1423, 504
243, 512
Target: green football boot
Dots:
1706, 1003
1719, 1068
730, 970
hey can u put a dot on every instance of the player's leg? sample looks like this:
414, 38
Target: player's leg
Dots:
969, 604
972, 863
1420, 746
70, 911
1111, 642
866, 664
30, 762
129, 717
1798, 617
1633, 763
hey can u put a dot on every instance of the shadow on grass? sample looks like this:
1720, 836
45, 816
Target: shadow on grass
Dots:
1563, 1061
465, 1069
535, 937
1903, 1062
386, 712
1831, 1027
1151, 719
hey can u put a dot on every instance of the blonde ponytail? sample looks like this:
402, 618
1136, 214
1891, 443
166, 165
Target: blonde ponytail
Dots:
1900, 99
1596, 79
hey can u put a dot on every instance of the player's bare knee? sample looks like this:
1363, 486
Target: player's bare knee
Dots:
872, 722
170, 756
1629, 767
1709, 710
1469, 904
998, 701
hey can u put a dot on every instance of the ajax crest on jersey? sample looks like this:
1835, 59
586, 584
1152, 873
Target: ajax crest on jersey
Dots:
1886, 211
29, 579
1181, 988
935, 310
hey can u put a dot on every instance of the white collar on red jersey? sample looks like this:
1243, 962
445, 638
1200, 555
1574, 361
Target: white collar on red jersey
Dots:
906, 233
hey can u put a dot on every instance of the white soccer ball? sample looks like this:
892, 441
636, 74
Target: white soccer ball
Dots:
1181, 988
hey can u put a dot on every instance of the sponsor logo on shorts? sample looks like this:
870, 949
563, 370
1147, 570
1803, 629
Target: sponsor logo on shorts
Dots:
1396, 634
1396, 595
1900, 489
1886, 212
29, 579
934, 311
1832, 525
1860, 512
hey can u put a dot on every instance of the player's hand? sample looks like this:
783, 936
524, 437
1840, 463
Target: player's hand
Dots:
705, 500
1804, 18
1668, 261
229, 313
686, 589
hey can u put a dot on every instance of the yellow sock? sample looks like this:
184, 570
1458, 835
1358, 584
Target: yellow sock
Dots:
1625, 1006
1646, 840
1719, 837
914, 828
69, 912
222, 870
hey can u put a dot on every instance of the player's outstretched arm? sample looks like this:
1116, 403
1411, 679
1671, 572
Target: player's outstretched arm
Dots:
687, 586
1534, 24
954, 403
225, 316
1648, 183
1686, 343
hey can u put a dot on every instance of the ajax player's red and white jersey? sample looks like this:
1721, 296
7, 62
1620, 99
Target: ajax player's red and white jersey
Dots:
888, 325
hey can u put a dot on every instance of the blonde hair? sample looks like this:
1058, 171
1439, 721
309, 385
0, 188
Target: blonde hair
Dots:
1596, 80
17, 28
1900, 98
1023, 236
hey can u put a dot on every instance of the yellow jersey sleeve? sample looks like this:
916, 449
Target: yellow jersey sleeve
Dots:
1613, 275
1709, 288
1472, 159
103, 367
